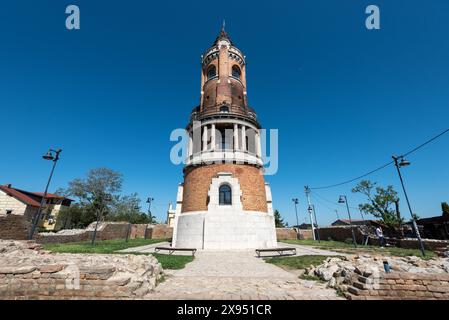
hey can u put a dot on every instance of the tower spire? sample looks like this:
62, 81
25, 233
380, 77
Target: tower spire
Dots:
223, 34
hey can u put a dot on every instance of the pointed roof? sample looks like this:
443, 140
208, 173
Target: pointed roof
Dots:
223, 35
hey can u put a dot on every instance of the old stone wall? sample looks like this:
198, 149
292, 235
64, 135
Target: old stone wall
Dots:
344, 232
286, 234
340, 234
305, 234
27, 275
107, 231
15, 227
159, 231
197, 181
401, 286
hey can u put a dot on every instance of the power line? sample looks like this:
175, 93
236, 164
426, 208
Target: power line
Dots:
383, 166
426, 143
334, 203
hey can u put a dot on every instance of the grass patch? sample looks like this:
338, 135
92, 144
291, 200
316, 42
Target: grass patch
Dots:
103, 246
112, 246
298, 262
349, 248
171, 261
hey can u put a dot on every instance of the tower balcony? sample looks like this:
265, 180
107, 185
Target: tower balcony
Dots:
224, 155
225, 111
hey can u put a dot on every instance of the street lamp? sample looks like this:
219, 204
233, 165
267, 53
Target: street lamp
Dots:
296, 201
311, 210
106, 198
128, 232
51, 155
343, 199
404, 163
149, 200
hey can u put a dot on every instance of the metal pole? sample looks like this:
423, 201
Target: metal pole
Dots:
350, 221
307, 191
415, 226
295, 201
317, 228
39, 211
149, 200
338, 217
96, 227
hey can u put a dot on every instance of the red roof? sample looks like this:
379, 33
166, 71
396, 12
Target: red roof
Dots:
19, 196
49, 195
26, 196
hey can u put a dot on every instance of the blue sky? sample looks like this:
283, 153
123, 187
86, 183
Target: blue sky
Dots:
343, 98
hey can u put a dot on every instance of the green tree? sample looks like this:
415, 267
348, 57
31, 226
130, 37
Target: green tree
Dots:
380, 202
127, 208
75, 216
445, 208
93, 194
279, 222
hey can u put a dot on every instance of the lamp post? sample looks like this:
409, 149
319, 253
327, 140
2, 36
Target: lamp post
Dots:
403, 163
307, 192
51, 155
311, 210
343, 199
106, 198
149, 200
296, 201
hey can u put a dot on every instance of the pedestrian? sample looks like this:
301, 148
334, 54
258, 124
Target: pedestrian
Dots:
381, 237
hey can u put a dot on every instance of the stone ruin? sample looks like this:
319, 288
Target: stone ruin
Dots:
28, 272
363, 277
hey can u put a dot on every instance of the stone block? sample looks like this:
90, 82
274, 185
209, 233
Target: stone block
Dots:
51, 268
16, 269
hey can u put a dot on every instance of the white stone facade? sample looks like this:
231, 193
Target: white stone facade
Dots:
225, 227
11, 205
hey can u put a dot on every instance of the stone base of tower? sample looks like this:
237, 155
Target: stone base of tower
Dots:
225, 230
224, 227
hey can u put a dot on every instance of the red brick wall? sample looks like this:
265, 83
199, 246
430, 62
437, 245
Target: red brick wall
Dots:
286, 234
14, 227
197, 181
402, 286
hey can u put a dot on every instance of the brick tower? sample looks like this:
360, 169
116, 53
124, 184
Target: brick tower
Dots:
224, 202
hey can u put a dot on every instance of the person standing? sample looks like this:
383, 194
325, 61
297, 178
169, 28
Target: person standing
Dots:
380, 235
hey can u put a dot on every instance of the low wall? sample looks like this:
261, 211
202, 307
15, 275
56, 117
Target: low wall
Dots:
305, 234
340, 234
286, 234
402, 286
344, 232
14, 227
108, 231
159, 231
27, 275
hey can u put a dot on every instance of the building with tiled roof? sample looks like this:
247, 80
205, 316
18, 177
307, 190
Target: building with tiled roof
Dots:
15, 201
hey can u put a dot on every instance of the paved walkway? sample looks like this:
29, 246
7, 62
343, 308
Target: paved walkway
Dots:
239, 275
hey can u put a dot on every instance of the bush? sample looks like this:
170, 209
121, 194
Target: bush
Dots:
349, 241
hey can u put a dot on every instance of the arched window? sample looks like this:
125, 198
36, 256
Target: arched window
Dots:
211, 72
225, 195
236, 73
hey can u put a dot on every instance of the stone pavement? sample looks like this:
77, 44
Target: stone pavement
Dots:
235, 275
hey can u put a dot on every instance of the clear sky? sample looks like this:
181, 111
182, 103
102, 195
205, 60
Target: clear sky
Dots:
343, 98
